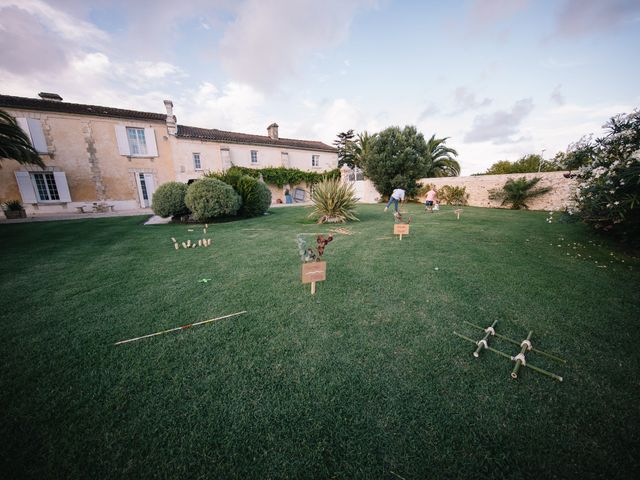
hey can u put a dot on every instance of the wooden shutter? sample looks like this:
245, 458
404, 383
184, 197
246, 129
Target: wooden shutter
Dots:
25, 186
150, 139
123, 141
62, 186
37, 135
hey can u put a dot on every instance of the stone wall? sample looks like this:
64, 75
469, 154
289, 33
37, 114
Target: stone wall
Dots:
478, 188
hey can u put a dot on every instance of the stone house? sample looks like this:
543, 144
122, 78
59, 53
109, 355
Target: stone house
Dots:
118, 157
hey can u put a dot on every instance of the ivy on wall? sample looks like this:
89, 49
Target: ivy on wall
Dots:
279, 176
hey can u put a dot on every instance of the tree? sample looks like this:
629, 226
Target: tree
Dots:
518, 191
440, 159
527, 164
346, 148
608, 191
398, 159
362, 148
15, 144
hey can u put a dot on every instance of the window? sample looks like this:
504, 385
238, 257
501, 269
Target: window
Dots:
284, 156
46, 188
43, 187
137, 143
254, 156
315, 160
196, 161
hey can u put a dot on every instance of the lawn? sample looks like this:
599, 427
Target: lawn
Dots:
363, 380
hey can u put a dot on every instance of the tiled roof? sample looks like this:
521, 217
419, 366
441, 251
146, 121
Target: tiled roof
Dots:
7, 101
215, 135
205, 134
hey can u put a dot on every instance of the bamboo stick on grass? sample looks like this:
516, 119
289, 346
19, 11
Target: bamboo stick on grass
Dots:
515, 342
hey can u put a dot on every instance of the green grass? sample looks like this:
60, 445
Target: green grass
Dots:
363, 380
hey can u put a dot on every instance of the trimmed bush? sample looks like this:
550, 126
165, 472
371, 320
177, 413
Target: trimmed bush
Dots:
210, 198
256, 196
168, 199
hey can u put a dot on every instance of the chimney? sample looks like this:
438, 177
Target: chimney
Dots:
53, 97
272, 131
172, 127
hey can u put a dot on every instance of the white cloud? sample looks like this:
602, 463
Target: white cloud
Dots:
67, 26
155, 70
268, 41
501, 125
236, 107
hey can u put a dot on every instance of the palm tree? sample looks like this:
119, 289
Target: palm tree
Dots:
362, 148
440, 159
15, 143
518, 191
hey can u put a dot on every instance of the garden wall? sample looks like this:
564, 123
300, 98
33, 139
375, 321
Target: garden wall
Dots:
478, 188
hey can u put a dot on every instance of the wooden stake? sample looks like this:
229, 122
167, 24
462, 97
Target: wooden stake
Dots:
178, 328
313, 288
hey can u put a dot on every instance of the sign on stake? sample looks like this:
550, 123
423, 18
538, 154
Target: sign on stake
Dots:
401, 229
313, 272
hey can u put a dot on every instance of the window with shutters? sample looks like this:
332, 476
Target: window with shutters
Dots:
197, 164
315, 160
45, 186
137, 143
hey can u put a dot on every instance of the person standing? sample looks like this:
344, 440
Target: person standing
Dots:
396, 196
431, 198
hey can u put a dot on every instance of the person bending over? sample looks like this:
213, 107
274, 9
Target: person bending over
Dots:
396, 196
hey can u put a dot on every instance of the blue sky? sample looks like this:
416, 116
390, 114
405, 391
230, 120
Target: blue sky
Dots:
500, 78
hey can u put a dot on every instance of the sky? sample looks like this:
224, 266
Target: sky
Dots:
499, 78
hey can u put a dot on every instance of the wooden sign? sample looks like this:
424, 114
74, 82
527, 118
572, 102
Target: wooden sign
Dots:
313, 272
401, 229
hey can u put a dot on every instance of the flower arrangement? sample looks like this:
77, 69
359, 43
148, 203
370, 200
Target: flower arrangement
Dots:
308, 254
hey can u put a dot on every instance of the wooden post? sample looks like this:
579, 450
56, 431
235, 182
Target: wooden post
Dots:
313, 288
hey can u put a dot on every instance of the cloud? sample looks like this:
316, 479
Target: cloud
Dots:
236, 107
430, 110
268, 41
63, 24
556, 96
500, 126
466, 100
27, 46
583, 17
486, 13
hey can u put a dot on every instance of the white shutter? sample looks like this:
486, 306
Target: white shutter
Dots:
22, 123
150, 139
25, 186
37, 135
123, 141
62, 186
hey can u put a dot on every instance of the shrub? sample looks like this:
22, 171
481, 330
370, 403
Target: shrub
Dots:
518, 191
453, 195
209, 198
334, 201
12, 206
608, 193
278, 176
256, 196
168, 200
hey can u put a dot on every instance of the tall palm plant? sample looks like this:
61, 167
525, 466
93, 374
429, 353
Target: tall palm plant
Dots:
441, 161
15, 144
362, 148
